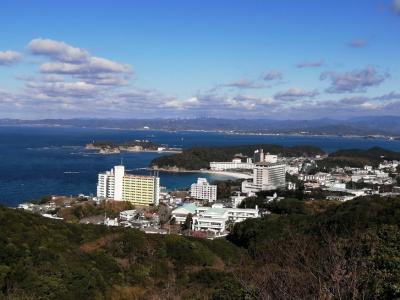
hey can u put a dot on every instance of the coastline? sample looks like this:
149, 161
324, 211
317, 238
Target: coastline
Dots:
222, 173
228, 132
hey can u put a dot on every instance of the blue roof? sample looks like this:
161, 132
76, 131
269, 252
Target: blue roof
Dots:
191, 207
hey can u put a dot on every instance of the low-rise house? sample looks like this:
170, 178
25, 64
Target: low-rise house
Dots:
111, 222
215, 218
128, 215
180, 214
26, 206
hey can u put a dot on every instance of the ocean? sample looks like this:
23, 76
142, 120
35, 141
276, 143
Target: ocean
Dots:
42, 161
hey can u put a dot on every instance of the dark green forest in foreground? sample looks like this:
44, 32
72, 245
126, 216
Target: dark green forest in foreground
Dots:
313, 250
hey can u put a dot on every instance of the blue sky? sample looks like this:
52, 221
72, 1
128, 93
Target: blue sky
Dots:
229, 59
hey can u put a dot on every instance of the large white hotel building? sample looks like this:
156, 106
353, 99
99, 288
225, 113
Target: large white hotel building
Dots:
266, 176
139, 190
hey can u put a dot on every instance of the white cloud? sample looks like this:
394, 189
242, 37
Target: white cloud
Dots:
92, 66
63, 89
370, 106
9, 57
182, 104
58, 50
77, 64
293, 94
354, 81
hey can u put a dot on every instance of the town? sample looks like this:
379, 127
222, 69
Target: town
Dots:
138, 201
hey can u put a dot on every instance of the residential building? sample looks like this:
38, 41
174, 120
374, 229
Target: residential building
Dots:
141, 190
120, 186
202, 190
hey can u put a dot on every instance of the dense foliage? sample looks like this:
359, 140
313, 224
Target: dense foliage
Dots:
225, 188
111, 144
49, 259
200, 157
87, 209
357, 158
345, 251
303, 250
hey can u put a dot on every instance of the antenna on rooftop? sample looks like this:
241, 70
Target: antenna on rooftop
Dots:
122, 161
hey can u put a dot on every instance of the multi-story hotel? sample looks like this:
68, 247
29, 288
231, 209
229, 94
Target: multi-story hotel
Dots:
202, 190
266, 177
137, 189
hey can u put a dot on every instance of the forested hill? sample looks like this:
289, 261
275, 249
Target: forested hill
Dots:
359, 158
200, 157
302, 250
324, 250
50, 259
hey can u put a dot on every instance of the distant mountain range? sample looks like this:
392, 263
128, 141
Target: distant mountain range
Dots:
363, 126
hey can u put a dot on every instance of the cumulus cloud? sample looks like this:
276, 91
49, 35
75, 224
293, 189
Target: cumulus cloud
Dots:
353, 81
370, 106
272, 75
243, 84
182, 104
64, 89
248, 102
390, 96
363, 103
9, 57
94, 65
294, 94
79, 64
58, 50
354, 100
235, 103
310, 64
358, 43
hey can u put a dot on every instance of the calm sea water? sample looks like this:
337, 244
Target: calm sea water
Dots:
41, 161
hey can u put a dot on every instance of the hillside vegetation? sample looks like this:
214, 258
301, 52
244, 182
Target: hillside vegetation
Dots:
358, 158
49, 259
309, 250
303, 250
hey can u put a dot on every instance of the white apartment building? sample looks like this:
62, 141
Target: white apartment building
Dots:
137, 189
230, 165
266, 177
215, 218
202, 190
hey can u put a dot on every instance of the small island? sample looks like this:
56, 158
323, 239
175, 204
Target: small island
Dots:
110, 147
